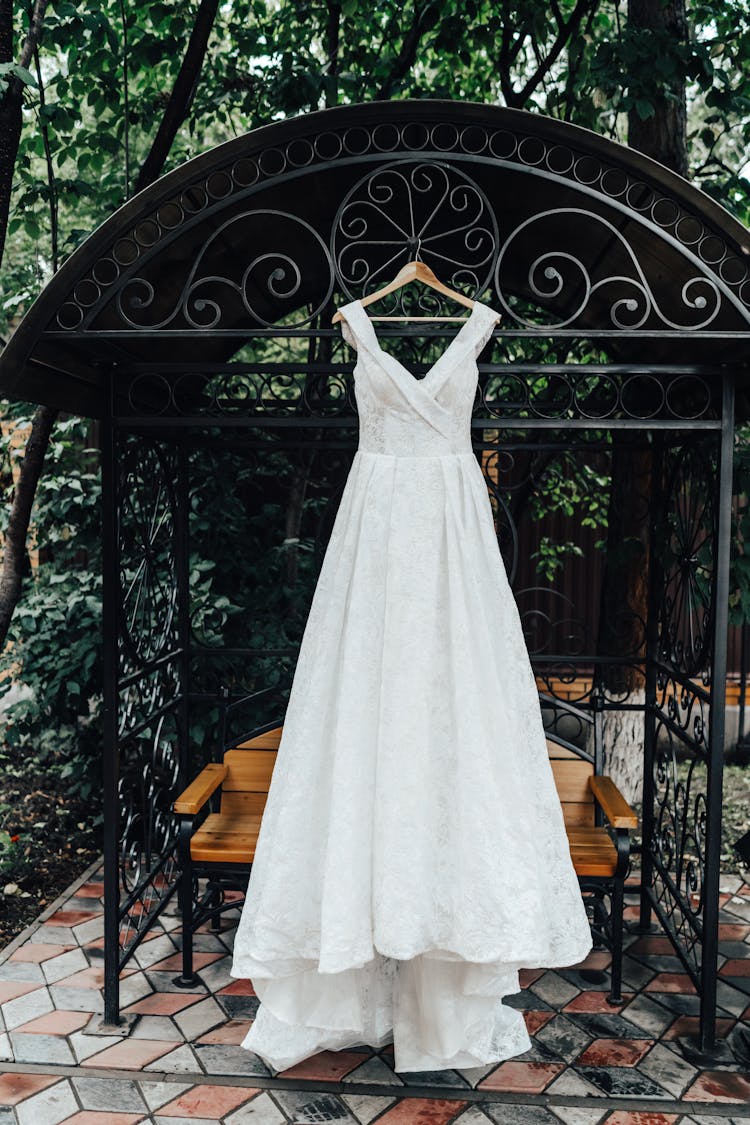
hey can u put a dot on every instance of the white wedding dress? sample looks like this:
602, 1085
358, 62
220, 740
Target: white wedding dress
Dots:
412, 854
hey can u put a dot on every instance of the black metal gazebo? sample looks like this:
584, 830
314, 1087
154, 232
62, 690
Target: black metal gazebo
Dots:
195, 324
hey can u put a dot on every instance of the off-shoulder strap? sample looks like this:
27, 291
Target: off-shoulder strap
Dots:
486, 320
356, 327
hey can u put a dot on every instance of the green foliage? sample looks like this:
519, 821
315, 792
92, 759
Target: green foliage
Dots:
15, 860
571, 487
719, 116
635, 67
10, 70
54, 645
248, 589
551, 554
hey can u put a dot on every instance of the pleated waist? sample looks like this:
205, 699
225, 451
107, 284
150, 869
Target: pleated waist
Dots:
447, 456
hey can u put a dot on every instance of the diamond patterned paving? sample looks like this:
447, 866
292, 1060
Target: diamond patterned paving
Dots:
591, 1063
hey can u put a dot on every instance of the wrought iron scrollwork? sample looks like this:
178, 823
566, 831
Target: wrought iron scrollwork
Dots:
148, 583
149, 686
678, 841
683, 703
571, 273
402, 211
282, 388
283, 262
688, 561
274, 250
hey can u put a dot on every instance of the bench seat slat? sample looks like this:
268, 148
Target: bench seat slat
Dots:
231, 838
226, 839
555, 750
592, 851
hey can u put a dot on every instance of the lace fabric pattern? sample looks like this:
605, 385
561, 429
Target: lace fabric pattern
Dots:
412, 855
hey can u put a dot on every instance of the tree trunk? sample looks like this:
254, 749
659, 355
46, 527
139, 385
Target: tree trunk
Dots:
662, 136
14, 545
11, 102
11, 105
624, 583
623, 742
624, 606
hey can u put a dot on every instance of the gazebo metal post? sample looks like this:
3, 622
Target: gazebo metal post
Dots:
709, 889
110, 762
182, 561
741, 737
655, 585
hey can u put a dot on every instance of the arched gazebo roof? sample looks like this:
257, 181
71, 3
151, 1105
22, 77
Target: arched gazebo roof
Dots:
568, 232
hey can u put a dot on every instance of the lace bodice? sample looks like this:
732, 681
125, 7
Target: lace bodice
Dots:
404, 416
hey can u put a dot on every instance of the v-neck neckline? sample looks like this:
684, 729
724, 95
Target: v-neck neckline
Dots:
463, 330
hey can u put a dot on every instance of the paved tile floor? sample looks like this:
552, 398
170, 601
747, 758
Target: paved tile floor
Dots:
182, 1062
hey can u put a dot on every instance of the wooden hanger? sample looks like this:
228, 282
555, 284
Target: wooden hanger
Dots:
414, 271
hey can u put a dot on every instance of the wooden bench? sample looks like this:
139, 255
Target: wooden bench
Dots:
220, 814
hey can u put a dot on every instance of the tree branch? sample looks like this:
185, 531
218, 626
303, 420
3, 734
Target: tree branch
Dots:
564, 34
574, 65
333, 27
406, 56
34, 33
11, 116
503, 54
125, 96
182, 94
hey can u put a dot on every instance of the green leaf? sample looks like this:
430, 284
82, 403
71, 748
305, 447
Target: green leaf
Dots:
15, 70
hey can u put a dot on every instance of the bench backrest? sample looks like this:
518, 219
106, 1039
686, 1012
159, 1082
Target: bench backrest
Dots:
571, 773
250, 765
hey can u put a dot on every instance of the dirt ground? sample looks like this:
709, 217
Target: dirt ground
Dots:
55, 844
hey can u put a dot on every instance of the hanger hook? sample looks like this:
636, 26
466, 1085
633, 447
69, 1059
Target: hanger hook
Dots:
414, 245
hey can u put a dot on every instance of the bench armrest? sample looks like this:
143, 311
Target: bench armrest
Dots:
614, 806
192, 799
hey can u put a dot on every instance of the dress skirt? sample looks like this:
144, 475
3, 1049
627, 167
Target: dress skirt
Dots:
412, 855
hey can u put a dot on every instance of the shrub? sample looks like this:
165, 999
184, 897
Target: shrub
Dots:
54, 643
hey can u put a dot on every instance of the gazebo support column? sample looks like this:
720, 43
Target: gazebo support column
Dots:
187, 978
655, 584
109, 735
705, 1049
145, 565
710, 887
